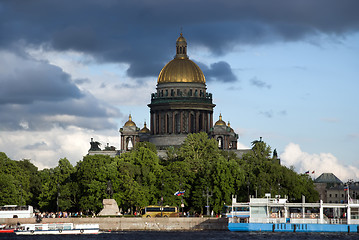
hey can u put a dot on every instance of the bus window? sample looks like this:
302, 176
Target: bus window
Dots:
158, 211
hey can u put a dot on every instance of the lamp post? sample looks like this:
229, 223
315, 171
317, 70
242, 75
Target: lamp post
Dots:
57, 199
21, 194
207, 195
162, 197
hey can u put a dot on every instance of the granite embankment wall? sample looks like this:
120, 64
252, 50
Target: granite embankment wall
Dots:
136, 223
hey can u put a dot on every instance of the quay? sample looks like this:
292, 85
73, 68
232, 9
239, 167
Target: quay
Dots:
135, 223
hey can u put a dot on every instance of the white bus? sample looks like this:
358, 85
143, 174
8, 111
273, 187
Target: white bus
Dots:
15, 211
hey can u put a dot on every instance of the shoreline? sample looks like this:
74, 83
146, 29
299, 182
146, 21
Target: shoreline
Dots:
135, 223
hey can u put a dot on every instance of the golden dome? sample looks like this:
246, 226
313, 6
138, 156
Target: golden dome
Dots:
181, 69
145, 129
129, 123
220, 122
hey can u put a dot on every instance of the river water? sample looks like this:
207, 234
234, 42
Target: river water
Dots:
200, 235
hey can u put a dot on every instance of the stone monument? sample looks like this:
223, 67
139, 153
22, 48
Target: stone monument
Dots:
110, 208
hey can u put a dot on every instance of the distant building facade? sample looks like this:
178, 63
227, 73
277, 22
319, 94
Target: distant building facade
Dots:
332, 190
108, 150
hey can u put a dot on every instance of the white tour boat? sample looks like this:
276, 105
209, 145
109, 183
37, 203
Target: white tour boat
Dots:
278, 215
57, 228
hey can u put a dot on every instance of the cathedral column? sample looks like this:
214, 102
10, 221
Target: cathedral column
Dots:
159, 124
203, 125
181, 121
189, 122
166, 123
197, 122
152, 121
173, 122
211, 120
122, 148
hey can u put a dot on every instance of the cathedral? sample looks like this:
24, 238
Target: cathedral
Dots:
180, 105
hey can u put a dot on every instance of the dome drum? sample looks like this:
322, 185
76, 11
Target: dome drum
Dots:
177, 92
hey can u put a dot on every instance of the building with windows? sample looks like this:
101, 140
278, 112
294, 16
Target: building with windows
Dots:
332, 190
181, 105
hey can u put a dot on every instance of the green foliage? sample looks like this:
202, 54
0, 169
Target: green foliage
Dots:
265, 175
59, 187
204, 166
19, 181
139, 178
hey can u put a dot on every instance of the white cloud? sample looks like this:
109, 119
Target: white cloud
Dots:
46, 148
242, 146
320, 163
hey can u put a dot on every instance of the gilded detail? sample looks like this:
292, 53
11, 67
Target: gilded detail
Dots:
181, 69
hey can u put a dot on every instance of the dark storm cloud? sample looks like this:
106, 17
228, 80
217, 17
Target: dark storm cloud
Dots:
142, 33
86, 112
219, 71
25, 81
36, 95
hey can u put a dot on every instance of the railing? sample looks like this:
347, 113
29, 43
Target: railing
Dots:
155, 99
305, 215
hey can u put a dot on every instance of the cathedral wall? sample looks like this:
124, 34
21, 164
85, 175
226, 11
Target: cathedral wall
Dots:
162, 141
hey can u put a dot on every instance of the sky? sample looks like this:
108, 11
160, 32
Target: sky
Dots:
283, 70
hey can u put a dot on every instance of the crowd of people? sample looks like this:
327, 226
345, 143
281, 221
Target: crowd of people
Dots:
61, 215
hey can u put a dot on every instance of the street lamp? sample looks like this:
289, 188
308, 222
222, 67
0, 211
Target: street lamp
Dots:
57, 199
21, 194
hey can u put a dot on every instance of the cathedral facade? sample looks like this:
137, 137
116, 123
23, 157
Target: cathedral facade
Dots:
181, 105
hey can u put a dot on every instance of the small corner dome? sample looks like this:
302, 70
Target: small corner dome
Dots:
145, 129
181, 38
130, 123
220, 122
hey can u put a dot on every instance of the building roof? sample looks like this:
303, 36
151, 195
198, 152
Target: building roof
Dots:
328, 178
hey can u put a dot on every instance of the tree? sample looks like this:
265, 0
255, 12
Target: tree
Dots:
92, 175
208, 168
265, 174
16, 181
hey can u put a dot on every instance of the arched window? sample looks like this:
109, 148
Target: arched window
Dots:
129, 143
220, 142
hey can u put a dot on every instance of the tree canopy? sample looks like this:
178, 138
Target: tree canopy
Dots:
140, 178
